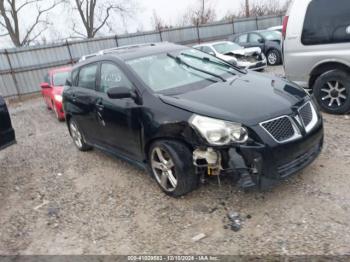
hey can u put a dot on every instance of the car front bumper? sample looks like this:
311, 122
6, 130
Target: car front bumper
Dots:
269, 164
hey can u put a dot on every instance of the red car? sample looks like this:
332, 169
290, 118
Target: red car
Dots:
52, 89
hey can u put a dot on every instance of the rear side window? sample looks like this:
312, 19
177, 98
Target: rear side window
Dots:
87, 76
242, 39
327, 22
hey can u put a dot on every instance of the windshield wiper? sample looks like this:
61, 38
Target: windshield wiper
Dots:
223, 63
180, 61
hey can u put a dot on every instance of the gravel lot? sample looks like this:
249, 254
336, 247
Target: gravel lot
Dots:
57, 200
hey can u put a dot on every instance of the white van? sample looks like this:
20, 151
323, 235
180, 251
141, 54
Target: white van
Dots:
316, 50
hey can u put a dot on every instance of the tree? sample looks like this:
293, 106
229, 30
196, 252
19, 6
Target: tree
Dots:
247, 8
12, 17
200, 14
95, 14
268, 7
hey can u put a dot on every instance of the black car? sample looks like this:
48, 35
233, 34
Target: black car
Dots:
185, 115
268, 40
7, 134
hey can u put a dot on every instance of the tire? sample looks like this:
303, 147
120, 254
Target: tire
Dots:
273, 57
332, 91
77, 136
178, 166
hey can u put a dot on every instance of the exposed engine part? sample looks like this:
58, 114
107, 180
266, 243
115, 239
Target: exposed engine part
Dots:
209, 159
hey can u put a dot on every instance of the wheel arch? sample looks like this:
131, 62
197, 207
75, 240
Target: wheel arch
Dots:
326, 66
149, 143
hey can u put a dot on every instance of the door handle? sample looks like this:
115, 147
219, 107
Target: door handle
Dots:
100, 106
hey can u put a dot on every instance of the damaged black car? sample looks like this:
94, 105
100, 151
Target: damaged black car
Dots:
185, 115
7, 134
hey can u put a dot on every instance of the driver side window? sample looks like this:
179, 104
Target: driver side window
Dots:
255, 38
112, 76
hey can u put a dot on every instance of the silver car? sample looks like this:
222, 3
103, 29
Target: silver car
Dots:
247, 58
316, 50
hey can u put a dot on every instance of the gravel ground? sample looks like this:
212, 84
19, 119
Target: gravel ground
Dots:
57, 200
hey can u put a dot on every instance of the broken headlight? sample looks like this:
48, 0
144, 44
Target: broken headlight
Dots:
219, 132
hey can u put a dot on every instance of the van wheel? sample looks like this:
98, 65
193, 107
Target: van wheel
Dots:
332, 91
77, 136
171, 165
273, 57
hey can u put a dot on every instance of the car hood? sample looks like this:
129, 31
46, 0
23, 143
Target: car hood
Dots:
248, 99
245, 51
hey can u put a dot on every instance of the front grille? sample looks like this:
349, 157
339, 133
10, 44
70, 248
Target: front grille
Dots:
299, 162
306, 114
281, 129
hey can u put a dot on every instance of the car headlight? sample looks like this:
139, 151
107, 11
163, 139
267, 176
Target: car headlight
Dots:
58, 98
219, 132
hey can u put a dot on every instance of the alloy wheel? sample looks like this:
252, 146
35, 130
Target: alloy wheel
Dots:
163, 169
272, 58
335, 94
76, 135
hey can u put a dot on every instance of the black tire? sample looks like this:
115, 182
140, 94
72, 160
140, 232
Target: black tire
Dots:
325, 95
273, 57
82, 146
183, 168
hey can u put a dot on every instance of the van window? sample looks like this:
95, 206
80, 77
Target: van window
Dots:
327, 22
87, 76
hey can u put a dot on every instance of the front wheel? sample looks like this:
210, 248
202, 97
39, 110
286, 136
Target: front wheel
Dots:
171, 166
332, 91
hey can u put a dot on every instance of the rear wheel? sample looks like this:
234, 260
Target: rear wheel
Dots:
332, 91
77, 136
171, 166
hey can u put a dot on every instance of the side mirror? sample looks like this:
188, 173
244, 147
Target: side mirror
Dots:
119, 93
45, 85
68, 82
212, 53
261, 40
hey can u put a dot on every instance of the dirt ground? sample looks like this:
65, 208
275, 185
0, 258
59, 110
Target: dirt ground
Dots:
57, 200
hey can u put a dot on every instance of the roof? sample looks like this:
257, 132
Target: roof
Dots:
136, 51
60, 69
212, 43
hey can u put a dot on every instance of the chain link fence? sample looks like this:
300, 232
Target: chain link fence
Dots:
22, 69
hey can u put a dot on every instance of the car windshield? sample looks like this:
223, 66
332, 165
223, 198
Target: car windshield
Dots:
180, 69
59, 78
224, 48
271, 35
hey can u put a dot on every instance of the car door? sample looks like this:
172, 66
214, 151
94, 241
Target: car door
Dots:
83, 98
256, 40
119, 126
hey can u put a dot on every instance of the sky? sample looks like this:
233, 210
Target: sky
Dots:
168, 10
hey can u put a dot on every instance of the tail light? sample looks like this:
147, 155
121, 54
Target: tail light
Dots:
285, 24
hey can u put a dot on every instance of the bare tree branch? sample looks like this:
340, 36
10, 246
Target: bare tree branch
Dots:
9, 11
95, 14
